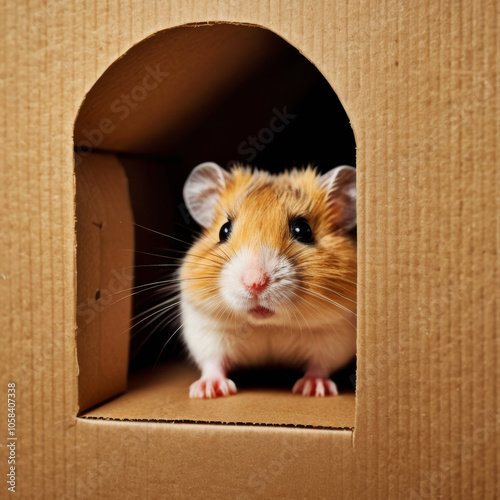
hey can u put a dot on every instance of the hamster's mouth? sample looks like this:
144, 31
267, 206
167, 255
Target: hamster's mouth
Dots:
261, 312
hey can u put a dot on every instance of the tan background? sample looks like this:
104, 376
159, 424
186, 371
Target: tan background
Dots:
420, 83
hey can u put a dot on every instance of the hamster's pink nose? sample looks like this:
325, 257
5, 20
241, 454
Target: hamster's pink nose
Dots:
255, 279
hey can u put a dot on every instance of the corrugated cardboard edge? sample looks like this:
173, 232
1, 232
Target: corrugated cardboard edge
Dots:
216, 422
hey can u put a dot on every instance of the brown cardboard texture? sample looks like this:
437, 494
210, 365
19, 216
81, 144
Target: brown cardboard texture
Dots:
153, 95
103, 225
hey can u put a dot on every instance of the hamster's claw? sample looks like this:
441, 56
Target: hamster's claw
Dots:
212, 387
315, 386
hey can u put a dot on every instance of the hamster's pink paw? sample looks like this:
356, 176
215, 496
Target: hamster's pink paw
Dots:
212, 387
315, 386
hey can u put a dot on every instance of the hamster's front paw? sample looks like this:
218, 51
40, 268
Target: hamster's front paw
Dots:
212, 387
315, 386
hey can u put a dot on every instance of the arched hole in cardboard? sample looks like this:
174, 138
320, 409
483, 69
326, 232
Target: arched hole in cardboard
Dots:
214, 92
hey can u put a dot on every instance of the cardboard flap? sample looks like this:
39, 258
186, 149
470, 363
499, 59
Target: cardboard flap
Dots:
105, 260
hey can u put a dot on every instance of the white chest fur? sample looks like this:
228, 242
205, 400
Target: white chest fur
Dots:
244, 343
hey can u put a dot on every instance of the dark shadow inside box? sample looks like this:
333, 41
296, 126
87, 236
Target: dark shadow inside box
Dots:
284, 378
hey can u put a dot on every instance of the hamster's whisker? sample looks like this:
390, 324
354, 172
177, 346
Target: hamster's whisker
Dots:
172, 265
326, 299
218, 263
165, 345
161, 234
234, 316
340, 314
160, 256
291, 243
314, 267
159, 305
221, 250
192, 229
308, 277
159, 283
180, 260
301, 313
333, 291
288, 316
202, 301
145, 288
156, 317
228, 243
296, 318
320, 311
152, 285
138, 266
211, 239
230, 315
196, 278
219, 310
172, 301
194, 263
145, 253
339, 278
134, 325
165, 285
171, 316
169, 319
215, 307
348, 281
154, 288
220, 260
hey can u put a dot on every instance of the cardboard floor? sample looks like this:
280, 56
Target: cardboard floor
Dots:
161, 395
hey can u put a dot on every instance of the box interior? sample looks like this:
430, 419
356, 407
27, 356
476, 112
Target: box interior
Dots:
217, 92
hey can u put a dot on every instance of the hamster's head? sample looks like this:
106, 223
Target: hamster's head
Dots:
274, 249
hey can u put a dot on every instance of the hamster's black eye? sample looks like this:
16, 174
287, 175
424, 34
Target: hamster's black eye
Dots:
301, 230
225, 231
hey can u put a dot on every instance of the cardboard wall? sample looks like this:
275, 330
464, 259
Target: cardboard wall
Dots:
105, 277
420, 85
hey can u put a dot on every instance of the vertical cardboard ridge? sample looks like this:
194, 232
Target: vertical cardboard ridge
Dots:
50, 392
479, 403
371, 481
397, 65
387, 179
462, 225
494, 134
453, 325
491, 263
440, 326
364, 181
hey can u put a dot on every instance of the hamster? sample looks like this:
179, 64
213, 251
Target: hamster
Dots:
272, 278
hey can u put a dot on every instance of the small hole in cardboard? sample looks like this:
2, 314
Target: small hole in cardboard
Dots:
222, 92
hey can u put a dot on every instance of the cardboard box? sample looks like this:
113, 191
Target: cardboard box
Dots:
150, 92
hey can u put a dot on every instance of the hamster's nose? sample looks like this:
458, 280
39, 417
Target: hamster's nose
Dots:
255, 279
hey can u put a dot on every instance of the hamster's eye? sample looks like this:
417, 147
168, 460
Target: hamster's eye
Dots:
301, 230
225, 231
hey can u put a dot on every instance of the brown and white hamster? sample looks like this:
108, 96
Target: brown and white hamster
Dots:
272, 278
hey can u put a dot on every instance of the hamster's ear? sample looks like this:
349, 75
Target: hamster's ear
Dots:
340, 185
202, 191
